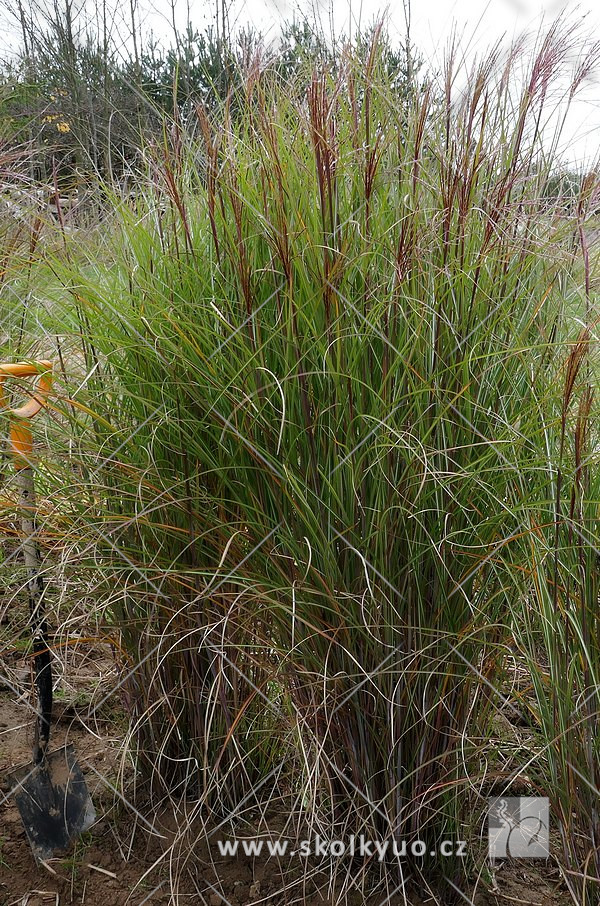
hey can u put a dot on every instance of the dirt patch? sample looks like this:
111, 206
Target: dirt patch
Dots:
138, 856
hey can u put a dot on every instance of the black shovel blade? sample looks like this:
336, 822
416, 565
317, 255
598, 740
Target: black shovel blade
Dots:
54, 802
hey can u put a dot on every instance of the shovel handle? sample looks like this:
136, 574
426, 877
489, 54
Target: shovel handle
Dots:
42, 663
43, 386
21, 444
21, 441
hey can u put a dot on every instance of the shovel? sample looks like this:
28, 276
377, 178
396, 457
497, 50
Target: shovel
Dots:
51, 794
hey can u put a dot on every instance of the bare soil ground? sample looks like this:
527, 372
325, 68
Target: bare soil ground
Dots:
120, 860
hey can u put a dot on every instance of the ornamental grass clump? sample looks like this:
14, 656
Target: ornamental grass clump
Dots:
322, 383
